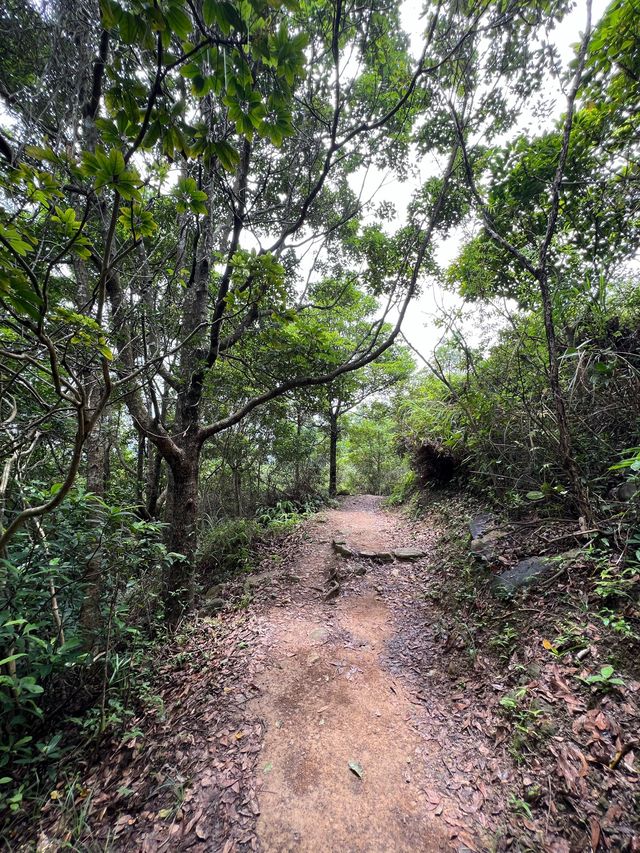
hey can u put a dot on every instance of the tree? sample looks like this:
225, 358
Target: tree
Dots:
347, 327
242, 119
540, 269
372, 449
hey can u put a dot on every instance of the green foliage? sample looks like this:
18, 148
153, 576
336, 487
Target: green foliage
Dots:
48, 664
285, 515
369, 452
605, 680
225, 548
491, 405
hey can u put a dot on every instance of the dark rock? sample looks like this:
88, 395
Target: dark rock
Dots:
625, 492
384, 557
408, 553
343, 549
480, 524
361, 570
378, 556
486, 547
214, 605
522, 574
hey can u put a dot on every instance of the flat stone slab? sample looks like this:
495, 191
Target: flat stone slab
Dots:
319, 635
522, 574
408, 553
378, 556
480, 524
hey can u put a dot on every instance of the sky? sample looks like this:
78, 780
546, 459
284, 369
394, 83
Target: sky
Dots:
419, 326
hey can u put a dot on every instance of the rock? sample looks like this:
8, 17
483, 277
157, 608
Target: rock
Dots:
361, 570
485, 547
343, 549
319, 635
333, 591
571, 556
408, 553
522, 574
480, 524
384, 557
378, 556
625, 492
214, 605
214, 591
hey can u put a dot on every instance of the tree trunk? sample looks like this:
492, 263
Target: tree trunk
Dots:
333, 454
154, 470
181, 515
90, 616
237, 489
140, 458
296, 486
578, 488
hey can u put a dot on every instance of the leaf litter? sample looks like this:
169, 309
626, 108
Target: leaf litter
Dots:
191, 780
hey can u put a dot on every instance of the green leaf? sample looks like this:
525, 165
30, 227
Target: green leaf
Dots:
129, 27
12, 658
179, 22
226, 154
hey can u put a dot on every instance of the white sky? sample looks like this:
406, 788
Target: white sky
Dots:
419, 327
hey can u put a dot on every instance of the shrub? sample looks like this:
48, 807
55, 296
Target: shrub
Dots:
225, 548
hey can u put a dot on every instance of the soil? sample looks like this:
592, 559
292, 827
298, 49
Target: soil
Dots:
343, 766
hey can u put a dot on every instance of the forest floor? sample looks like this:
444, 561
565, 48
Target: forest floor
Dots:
367, 722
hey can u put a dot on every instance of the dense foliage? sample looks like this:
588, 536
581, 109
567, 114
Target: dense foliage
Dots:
200, 308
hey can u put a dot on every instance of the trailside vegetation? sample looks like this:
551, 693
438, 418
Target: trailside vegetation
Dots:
202, 304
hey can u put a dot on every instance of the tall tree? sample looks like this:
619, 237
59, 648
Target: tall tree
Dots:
246, 119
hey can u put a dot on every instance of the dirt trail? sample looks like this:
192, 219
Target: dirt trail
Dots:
267, 711
328, 699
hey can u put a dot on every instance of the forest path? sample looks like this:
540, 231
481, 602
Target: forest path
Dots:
292, 723
334, 698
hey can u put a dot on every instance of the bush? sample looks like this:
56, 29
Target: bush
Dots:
225, 548
46, 665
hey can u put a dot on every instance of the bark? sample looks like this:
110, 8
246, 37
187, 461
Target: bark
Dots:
181, 515
154, 471
333, 454
237, 489
565, 444
90, 616
297, 465
140, 457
